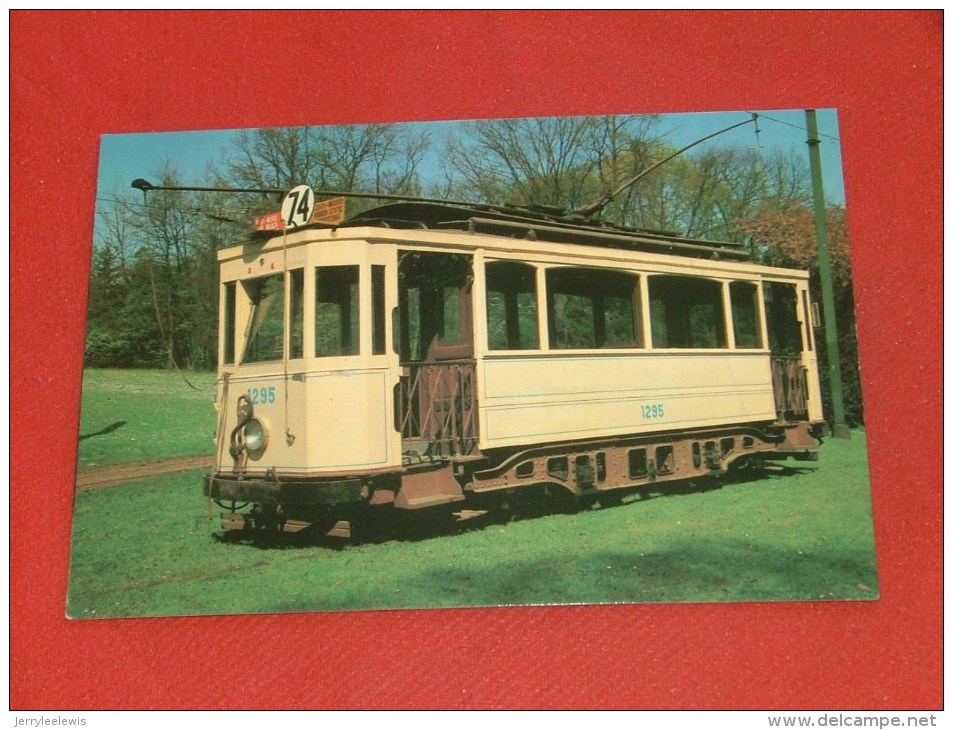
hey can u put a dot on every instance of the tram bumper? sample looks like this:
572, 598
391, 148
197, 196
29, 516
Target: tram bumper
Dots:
261, 491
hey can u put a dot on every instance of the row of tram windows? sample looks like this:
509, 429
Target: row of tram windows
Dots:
586, 309
337, 321
590, 308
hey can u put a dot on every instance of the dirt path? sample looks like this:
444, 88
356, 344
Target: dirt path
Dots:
96, 477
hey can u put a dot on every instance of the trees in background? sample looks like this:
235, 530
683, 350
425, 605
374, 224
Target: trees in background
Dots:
562, 162
153, 281
372, 158
154, 273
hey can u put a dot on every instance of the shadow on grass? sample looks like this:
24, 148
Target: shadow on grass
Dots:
265, 540
759, 471
682, 570
372, 527
679, 570
102, 432
380, 525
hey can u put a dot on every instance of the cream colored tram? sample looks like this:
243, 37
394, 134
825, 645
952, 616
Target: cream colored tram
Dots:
420, 355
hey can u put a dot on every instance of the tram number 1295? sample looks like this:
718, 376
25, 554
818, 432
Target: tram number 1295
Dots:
261, 396
655, 410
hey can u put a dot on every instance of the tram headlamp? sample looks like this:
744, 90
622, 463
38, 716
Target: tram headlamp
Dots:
255, 435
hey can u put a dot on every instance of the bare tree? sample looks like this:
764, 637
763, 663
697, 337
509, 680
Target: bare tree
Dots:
523, 161
378, 158
563, 161
276, 158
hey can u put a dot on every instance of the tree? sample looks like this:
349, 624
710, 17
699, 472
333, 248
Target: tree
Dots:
707, 195
786, 237
153, 284
276, 158
570, 162
168, 238
562, 161
369, 158
154, 275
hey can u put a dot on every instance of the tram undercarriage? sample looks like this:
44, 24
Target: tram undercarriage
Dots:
580, 472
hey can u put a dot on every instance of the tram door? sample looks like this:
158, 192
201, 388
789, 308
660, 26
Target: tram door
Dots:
438, 404
788, 339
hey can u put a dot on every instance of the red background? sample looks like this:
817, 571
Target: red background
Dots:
77, 75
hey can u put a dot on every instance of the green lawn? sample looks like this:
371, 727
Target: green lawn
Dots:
799, 532
128, 415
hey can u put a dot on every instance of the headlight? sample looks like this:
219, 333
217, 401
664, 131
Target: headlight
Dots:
255, 435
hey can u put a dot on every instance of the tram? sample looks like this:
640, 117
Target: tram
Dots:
424, 355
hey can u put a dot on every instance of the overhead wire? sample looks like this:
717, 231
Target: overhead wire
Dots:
762, 115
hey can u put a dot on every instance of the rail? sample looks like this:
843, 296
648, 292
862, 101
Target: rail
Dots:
437, 409
789, 377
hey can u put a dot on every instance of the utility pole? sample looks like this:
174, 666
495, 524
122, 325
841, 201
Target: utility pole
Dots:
841, 429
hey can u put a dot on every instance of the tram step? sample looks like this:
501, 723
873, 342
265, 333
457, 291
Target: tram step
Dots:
341, 528
430, 500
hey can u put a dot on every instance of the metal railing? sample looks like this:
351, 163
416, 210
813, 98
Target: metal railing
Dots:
437, 409
789, 377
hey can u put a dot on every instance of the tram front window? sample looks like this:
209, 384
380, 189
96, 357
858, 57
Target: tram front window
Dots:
266, 323
337, 310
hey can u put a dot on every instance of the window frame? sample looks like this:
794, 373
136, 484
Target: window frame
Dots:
526, 277
253, 309
755, 302
349, 326
687, 299
595, 285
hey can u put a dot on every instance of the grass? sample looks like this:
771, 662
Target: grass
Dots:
127, 415
802, 531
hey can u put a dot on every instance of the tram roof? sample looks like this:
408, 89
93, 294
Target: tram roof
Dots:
542, 223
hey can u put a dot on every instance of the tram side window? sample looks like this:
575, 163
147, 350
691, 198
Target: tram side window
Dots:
267, 320
228, 325
745, 314
784, 329
591, 308
512, 321
337, 321
686, 312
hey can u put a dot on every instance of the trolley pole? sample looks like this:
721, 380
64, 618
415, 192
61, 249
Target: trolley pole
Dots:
841, 429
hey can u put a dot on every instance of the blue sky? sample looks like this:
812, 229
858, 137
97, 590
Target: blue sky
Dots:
783, 130
125, 157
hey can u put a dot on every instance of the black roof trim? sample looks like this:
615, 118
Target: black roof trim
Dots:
540, 224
